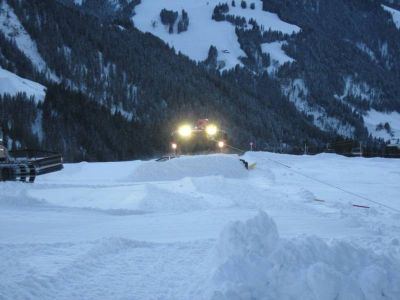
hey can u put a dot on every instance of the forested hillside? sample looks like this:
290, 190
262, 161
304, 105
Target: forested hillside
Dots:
115, 92
138, 89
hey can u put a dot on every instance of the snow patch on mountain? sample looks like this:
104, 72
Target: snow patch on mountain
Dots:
358, 89
297, 92
395, 15
13, 29
364, 48
118, 109
277, 55
375, 122
265, 19
204, 32
12, 84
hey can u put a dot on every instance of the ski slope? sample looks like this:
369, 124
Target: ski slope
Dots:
204, 227
204, 32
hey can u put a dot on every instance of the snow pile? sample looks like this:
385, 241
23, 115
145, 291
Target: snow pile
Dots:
84, 174
257, 264
12, 84
227, 166
204, 32
395, 15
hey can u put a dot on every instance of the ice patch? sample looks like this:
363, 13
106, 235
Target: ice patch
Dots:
255, 263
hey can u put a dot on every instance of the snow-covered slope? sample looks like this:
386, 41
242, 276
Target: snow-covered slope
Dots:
395, 14
277, 55
204, 227
375, 120
13, 29
12, 84
204, 32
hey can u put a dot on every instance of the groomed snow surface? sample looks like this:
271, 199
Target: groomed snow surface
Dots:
204, 227
204, 32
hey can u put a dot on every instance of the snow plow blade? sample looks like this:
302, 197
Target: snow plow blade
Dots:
27, 164
247, 165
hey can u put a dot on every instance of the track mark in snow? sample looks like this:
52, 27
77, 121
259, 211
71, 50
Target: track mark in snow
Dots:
111, 268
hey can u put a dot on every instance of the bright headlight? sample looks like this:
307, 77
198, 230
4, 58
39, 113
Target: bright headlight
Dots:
221, 144
211, 130
185, 131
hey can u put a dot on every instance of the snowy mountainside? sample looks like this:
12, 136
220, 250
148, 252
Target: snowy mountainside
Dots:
11, 84
383, 125
204, 32
203, 227
12, 28
143, 81
395, 13
358, 95
344, 69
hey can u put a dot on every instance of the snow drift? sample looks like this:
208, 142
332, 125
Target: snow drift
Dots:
227, 166
255, 263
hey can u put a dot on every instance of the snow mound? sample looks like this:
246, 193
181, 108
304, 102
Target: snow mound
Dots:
162, 200
255, 263
191, 166
12, 84
84, 173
